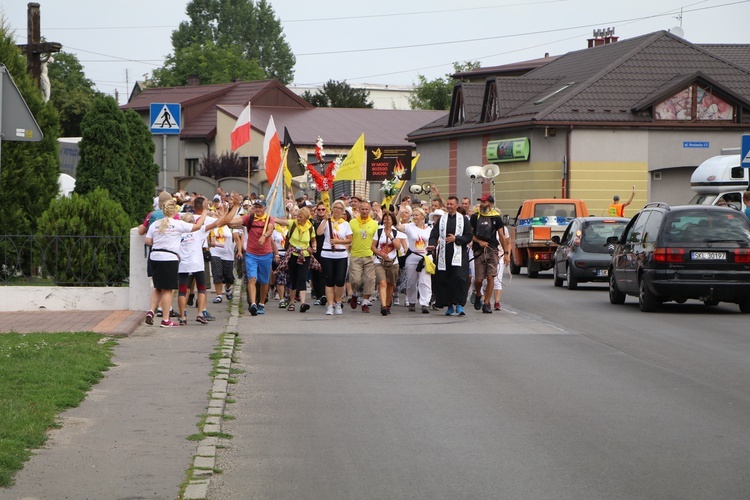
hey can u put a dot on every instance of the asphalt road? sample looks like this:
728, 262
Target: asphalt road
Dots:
560, 395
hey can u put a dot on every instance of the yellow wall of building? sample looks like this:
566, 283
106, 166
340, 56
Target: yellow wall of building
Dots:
597, 182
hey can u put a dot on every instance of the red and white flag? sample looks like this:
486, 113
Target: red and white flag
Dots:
271, 151
241, 131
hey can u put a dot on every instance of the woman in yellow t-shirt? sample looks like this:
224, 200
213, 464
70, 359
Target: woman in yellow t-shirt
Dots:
301, 243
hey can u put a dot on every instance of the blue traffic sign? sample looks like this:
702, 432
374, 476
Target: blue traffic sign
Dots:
165, 118
745, 155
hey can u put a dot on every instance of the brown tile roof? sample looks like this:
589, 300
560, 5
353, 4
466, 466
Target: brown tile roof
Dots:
339, 127
738, 54
605, 83
199, 102
512, 69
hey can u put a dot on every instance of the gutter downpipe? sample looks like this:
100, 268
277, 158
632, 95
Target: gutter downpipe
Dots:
566, 165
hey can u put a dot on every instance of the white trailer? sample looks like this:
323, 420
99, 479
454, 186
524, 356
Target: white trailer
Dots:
720, 178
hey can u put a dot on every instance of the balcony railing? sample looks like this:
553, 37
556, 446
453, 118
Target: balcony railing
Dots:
64, 260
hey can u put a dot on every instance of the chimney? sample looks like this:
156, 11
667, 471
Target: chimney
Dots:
193, 80
602, 37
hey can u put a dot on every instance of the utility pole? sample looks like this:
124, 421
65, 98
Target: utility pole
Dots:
36, 51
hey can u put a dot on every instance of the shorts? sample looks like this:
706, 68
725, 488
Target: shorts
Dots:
222, 270
389, 274
258, 267
485, 263
165, 274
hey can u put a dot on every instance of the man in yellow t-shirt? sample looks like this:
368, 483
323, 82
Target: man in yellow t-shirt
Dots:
617, 209
361, 265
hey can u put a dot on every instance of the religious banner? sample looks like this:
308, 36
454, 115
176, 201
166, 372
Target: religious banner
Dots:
385, 162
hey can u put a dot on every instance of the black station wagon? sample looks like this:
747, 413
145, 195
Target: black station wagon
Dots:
683, 252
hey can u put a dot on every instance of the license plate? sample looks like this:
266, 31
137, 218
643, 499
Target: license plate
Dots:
708, 255
602, 272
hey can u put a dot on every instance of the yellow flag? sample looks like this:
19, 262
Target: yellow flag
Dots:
287, 175
351, 167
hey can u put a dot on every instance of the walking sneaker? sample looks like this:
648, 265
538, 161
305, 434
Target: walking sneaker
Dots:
486, 309
412, 307
200, 319
183, 321
173, 313
425, 310
407, 304
316, 302
218, 299
208, 316
383, 311
253, 309
150, 318
497, 306
304, 307
395, 300
353, 302
460, 311
473, 296
323, 301
191, 298
477, 302
329, 311
366, 306
261, 309
168, 323
230, 294
337, 309
158, 312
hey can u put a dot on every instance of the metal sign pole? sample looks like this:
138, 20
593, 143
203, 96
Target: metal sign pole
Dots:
164, 158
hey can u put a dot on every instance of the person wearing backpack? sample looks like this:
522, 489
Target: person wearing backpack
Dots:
487, 227
385, 247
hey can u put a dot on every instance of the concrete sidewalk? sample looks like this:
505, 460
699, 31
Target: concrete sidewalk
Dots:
129, 437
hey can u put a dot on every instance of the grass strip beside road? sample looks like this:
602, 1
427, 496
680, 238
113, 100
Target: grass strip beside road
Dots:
42, 374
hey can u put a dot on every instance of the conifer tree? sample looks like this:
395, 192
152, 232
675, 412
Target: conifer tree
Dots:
30, 170
143, 175
105, 156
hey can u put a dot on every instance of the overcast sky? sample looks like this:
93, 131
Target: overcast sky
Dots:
120, 42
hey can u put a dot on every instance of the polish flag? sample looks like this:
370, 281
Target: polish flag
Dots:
241, 131
271, 151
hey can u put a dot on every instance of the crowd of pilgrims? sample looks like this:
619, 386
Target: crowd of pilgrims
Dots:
427, 256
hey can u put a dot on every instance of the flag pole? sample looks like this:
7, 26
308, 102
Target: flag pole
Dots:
249, 149
279, 174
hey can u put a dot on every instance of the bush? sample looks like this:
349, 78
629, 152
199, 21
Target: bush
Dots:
226, 165
85, 239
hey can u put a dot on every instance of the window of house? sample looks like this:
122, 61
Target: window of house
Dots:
457, 116
492, 110
694, 103
191, 166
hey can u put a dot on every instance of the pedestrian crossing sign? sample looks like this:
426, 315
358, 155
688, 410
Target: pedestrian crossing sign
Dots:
165, 118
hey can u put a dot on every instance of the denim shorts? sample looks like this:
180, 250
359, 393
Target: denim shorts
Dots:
258, 267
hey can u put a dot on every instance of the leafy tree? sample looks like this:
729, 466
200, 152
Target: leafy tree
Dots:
338, 95
105, 159
72, 93
212, 63
227, 165
437, 93
250, 26
29, 170
143, 175
79, 261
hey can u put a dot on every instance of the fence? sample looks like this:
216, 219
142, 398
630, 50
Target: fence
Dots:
64, 260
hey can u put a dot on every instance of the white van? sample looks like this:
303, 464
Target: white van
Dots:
720, 178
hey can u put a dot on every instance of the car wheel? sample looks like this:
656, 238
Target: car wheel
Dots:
711, 302
558, 280
745, 305
615, 295
514, 269
572, 283
647, 301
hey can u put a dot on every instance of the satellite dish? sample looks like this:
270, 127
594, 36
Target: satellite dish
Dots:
415, 189
474, 172
678, 31
490, 171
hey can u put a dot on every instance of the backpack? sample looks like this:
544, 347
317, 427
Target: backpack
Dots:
484, 230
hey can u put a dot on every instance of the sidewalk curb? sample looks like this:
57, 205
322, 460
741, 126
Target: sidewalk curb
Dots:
199, 476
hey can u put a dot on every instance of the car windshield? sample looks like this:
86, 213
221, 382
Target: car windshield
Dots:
595, 234
703, 199
555, 210
707, 226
